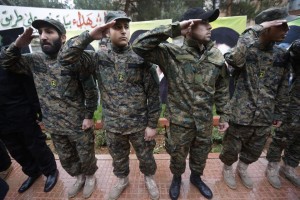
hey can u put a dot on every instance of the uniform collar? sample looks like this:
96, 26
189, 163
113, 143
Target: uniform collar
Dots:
120, 50
52, 56
192, 45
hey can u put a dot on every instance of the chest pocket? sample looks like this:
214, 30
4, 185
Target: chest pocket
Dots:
135, 72
106, 73
187, 69
206, 74
61, 84
69, 84
40, 69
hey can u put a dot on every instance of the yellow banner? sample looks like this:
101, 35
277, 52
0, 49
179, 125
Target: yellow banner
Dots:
237, 23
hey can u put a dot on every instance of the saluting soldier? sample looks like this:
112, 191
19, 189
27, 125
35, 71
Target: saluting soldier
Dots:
287, 137
129, 96
260, 92
197, 79
68, 100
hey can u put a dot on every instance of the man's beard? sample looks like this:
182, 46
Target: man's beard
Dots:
53, 49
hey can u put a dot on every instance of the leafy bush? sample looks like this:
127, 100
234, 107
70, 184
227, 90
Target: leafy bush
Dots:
217, 137
100, 139
216, 148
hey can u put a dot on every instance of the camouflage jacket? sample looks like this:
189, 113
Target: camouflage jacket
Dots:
262, 80
294, 104
129, 92
197, 79
66, 98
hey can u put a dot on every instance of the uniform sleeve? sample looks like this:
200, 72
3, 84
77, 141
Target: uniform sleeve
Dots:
73, 57
282, 98
12, 60
148, 45
221, 97
90, 93
236, 57
152, 93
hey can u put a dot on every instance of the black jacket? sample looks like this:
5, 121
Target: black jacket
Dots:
19, 105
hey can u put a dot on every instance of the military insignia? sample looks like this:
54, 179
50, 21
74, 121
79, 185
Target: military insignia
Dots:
53, 83
261, 74
121, 77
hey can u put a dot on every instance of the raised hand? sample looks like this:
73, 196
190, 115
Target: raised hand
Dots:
25, 38
100, 31
186, 26
273, 23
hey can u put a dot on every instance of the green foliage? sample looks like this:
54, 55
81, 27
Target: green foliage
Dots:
216, 148
152, 11
214, 110
163, 111
98, 113
217, 137
98, 4
161, 9
272, 3
38, 3
248, 7
239, 8
100, 139
158, 149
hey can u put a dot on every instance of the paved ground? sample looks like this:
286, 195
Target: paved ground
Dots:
137, 190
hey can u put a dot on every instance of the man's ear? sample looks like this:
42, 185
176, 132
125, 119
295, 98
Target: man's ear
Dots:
107, 34
63, 38
189, 34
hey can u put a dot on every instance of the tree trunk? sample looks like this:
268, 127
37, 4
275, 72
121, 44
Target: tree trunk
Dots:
229, 7
127, 4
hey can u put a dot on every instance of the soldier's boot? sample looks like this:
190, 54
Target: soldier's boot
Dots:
202, 187
229, 177
290, 174
242, 172
116, 191
89, 186
272, 174
77, 186
175, 187
152, 187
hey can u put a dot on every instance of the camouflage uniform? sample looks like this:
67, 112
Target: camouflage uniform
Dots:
287, 137
63, 95
261, 82
197, 80
129, 96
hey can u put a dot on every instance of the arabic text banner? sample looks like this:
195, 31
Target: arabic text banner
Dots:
16, 16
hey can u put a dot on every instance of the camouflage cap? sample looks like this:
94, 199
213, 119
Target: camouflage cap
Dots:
274, 14
49, 22
115, 15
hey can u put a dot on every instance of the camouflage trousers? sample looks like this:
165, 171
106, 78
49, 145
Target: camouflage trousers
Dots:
119, 148
181, 141
76, 152
248, 141
286, 139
